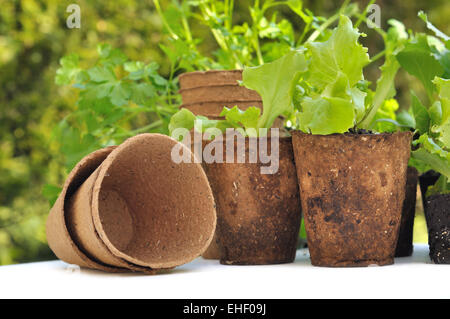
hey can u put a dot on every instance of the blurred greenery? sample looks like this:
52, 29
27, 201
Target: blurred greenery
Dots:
34, 37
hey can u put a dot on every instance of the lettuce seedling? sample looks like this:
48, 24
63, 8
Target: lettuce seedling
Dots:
433, 150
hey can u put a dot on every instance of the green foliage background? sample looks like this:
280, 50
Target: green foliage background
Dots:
34, 36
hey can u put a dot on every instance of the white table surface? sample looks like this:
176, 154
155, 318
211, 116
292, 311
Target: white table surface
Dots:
409, 277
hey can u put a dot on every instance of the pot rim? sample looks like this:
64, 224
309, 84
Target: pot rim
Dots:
237, 85
187, 74
350, 135
137, 260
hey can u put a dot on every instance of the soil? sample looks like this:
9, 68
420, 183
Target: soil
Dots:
437, 213
360, 131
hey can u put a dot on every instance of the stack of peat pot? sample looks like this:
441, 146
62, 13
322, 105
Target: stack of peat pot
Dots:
129, 208
207, 92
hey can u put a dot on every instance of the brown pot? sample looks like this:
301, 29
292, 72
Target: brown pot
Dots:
133, 208
405, 236
437, 213
352, 189
258, 214
215, 108
196, 79
219, 93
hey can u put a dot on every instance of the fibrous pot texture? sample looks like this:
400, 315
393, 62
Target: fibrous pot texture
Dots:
140, 210
352, 189
258, 214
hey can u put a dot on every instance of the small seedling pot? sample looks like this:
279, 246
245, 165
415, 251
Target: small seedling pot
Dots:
405, 236
437, 214
258, 214
352, 189
133, 209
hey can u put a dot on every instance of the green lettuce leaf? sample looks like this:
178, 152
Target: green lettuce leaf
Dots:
443, 88
326, 115
420, 113
417, 59
340, 53
275, 82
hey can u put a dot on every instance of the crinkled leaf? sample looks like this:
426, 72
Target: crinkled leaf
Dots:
340, 53
417, 59
248, 118
326, 115
275, 82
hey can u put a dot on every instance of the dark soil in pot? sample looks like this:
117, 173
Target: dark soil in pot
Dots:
352, 189
437, 213
258, 214
405, 236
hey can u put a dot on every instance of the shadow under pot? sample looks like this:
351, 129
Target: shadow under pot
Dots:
352, 188
405, 236
258, 207
437, 214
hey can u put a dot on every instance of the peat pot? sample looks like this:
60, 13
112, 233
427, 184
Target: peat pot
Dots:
258, 214
437, 214
405, 236
207, 92
352, 188
131, 207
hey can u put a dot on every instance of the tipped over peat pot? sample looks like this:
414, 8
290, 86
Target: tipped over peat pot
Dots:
352, 189
258, 215
132, 208
405, 235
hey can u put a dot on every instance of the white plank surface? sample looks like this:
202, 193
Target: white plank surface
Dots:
410, 277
